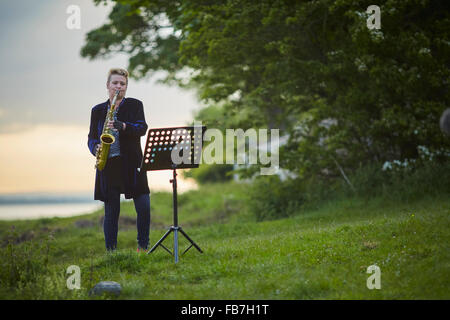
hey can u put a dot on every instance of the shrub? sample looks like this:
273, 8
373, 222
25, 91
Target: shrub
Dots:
25, 272
210, 173
271, 198
399, 180
22, 264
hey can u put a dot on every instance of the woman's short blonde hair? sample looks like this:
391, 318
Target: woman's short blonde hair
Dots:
119, 71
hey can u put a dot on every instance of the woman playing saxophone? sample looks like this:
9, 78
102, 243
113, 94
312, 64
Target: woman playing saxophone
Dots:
120, 174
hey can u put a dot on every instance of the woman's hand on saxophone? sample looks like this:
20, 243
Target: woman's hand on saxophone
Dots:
116, 125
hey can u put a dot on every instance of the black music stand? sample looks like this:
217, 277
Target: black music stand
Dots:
171, 149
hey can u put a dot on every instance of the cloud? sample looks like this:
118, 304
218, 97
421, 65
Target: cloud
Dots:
47, 92
45, 81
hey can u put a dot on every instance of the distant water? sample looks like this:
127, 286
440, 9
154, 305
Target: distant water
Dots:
46, 205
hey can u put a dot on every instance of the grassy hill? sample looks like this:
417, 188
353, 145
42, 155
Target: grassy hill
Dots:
318, 253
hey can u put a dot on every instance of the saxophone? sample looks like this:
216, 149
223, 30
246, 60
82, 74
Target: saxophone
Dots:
106, 138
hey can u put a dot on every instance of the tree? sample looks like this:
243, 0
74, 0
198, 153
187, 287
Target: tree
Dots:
342, 92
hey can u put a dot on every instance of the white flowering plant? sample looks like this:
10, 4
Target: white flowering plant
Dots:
425, 155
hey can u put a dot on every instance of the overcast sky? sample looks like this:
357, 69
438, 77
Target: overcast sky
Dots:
48, 90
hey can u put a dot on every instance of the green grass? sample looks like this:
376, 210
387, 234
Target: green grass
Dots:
316, 254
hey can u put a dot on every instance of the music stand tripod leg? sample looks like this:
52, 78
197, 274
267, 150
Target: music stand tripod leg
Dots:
160, 241
190, 240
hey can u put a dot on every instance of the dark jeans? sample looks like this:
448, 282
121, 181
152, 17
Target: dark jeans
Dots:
111, 222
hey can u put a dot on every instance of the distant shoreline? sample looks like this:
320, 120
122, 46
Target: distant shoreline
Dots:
44, 198
37, 205
38, 211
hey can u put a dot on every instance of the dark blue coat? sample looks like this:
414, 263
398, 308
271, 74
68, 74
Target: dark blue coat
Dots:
131, 112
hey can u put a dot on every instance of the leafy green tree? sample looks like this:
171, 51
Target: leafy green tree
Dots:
345, 94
